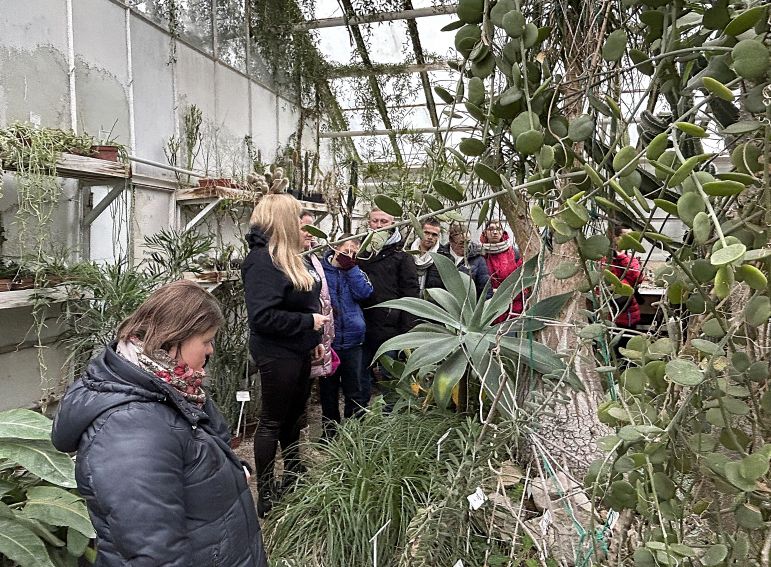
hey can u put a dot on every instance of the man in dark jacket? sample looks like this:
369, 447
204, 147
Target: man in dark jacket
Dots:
467, 257
393, 275
169, 489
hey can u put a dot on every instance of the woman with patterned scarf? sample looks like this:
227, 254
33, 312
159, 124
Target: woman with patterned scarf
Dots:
502, 259
154, 461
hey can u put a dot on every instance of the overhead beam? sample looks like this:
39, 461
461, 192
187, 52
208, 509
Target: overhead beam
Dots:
394, 132
387, 69
373, 18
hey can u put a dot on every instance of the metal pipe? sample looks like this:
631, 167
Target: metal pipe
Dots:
363, 71
371, 18
395, 132
166, 166
71, 68
130, 67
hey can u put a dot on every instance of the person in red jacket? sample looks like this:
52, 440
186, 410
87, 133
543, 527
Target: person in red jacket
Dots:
627, 269
502, 259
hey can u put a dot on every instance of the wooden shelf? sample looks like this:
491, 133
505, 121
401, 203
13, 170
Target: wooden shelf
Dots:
202, 195
88, 169
27, 297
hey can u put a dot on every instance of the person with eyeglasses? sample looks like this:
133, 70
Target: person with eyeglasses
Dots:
502, 258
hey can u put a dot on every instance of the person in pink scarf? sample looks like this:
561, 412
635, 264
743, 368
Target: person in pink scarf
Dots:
502, 259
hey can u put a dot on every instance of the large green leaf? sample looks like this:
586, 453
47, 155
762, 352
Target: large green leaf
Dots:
41, 459
58, 507
21, 545
447, 377
540, 314
461, 288
411, 340
24, 424
431, 354
684, 372
536, 355
491, 377
511, 286
421, 308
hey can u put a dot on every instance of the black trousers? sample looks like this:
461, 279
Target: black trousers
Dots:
286, 387
348, 377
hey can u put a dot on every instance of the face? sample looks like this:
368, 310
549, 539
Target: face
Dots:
430, 237
494, 233
194, 350
348, 248
379, 219
307, 237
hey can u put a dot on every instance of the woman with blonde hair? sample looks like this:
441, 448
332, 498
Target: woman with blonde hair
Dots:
154, 462
282, 301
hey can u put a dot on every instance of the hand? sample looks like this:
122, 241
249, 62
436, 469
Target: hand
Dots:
318, 353
319, 321
345, 262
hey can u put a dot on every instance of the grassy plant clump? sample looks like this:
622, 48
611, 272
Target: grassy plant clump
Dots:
405, 475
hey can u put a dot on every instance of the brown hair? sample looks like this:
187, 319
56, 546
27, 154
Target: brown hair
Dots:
171, 315
431, 221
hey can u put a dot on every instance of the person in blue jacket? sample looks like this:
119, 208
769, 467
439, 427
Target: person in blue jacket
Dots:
348, 286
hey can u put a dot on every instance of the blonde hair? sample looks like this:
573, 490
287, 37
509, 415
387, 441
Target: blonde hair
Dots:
278, 215
171, 315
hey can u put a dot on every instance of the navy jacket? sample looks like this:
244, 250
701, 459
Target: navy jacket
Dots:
474, 265
161, 483
280, 316
347, 288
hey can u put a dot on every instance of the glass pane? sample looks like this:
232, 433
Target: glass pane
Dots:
231, 33
189, 19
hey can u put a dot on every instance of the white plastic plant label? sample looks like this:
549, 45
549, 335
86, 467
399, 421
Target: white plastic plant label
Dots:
476, 499
458, 563
243, 396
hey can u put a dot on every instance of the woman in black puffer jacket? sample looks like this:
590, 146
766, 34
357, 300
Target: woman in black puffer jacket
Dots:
154, 463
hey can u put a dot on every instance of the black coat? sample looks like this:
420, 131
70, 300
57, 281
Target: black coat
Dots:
280, 316
473, 265
393, 275
161, 483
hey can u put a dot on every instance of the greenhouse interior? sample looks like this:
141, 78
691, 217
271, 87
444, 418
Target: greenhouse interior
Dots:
385, 283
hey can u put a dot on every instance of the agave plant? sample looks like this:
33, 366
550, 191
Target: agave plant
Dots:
458, 341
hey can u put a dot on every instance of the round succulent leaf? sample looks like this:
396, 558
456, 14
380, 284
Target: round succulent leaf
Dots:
642, 61
757, 311
743, 178
734, 439
723, 188
752, 276
667, 206
751, 59
615, 45
723, 281
629, 242
432, 202
529, 142
707, 347
684, 372
728, 254
664, 486
621, 495
581, 128
472, 147
444, 94
625, 161
524, 122
487, 174
718, 89
530, 35
595, 247
539, 216
466, 38
501, 8
688, 206
510, 95
744, 21
476, 91
699, 178
388, 205
702, 227
447, 190
513, 23
691, 129
545, 157
471, 11
712, 328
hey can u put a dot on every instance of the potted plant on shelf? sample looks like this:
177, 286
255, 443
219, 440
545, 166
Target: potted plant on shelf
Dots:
108, 149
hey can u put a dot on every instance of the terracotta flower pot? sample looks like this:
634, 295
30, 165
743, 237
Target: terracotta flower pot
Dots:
107, 153
6, 284
207, 182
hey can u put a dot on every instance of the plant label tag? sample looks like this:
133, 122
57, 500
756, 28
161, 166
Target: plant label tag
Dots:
476, 499
243, 396
545, 522
612, 519
458, 563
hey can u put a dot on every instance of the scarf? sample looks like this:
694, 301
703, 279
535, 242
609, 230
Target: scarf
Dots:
488, 248
176, 374
423, 260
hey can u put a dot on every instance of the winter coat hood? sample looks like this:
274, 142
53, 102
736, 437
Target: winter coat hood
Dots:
108, 382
